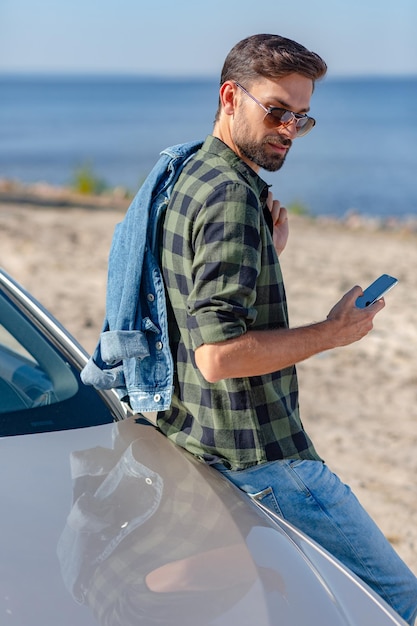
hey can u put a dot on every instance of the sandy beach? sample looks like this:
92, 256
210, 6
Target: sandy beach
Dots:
359, 403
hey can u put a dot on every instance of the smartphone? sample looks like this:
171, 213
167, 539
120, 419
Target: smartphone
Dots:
375, 291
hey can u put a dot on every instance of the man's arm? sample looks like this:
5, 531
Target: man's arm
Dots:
263, 352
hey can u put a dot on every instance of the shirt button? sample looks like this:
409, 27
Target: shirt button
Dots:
158, 345
151, 297
157, 397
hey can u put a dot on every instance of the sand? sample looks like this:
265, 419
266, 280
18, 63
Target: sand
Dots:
359, 403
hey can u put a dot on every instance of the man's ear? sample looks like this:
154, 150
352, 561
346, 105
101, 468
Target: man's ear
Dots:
228, 97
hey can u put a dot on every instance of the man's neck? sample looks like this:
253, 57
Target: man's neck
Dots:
222, 131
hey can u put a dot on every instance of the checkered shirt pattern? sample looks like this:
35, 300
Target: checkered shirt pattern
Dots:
223, 278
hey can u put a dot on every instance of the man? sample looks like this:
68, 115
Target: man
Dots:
235, 402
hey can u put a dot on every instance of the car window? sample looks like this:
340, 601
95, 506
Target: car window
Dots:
40, 387
31, 373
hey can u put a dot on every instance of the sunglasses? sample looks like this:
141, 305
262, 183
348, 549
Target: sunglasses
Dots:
275, 116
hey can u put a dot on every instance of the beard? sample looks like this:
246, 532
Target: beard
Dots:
258, 152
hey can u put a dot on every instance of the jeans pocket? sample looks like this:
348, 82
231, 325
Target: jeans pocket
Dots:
268, 499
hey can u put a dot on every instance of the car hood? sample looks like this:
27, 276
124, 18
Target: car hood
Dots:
115, 525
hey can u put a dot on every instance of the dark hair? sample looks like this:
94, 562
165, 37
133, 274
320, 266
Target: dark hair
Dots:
270, 56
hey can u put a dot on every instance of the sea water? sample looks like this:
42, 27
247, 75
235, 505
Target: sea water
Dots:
361, 155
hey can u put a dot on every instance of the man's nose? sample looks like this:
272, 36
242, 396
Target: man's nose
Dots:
291, 128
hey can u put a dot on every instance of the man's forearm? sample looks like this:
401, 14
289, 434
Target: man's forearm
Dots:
262, 352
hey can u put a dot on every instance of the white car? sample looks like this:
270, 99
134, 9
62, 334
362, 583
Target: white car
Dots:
105, 522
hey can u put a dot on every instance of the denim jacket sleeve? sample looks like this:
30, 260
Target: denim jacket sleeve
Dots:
132, 354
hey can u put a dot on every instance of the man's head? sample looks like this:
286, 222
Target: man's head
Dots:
265, 89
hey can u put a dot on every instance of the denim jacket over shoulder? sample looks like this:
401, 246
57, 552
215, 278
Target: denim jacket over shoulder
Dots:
133, 354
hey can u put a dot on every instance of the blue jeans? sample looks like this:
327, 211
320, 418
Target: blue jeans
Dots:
315, 500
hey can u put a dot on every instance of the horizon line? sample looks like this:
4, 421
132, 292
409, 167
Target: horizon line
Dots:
88, 74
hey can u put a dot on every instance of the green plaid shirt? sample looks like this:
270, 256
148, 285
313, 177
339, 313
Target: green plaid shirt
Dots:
223, 278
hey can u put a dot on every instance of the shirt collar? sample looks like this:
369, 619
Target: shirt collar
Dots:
217, 147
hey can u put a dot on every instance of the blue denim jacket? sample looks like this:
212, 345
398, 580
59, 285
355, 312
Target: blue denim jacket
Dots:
133, 354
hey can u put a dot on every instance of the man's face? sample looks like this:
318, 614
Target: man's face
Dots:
258, 140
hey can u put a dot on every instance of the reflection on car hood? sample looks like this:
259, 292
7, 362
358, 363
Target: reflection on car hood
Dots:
114, 525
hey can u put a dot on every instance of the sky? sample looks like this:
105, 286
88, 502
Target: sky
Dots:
191, 38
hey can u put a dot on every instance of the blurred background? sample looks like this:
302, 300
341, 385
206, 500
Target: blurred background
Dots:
91, 91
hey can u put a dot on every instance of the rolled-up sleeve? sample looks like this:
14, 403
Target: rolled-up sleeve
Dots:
226, 265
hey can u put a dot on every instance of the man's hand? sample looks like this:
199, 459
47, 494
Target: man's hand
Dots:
280, 221
351, 323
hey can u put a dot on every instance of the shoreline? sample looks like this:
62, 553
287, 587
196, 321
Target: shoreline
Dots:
44, 195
